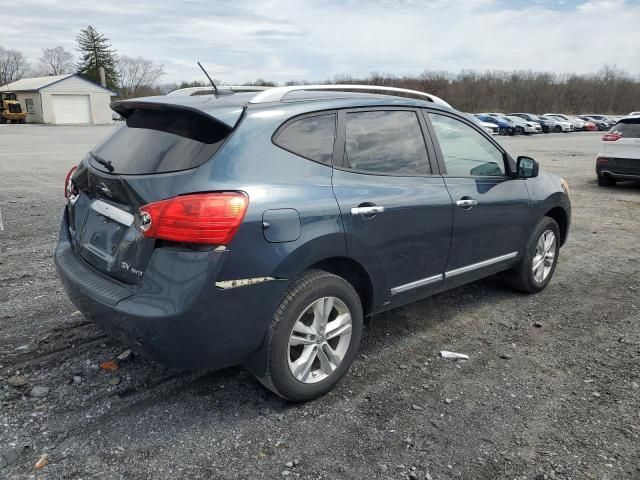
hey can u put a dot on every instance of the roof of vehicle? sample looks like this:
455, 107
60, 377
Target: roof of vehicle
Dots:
632, 118
228, 107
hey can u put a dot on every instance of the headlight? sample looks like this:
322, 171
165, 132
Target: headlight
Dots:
565, 186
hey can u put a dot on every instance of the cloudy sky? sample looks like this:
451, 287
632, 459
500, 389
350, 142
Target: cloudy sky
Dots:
242, 40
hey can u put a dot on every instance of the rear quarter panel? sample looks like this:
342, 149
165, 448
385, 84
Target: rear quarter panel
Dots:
274, 179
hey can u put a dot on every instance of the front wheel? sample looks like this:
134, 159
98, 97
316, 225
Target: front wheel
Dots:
558, 129
536, 267
315, 336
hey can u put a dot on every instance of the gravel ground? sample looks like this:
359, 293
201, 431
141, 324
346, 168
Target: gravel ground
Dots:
550, 390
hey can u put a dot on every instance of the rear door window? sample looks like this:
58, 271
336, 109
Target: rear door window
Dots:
385, 142
310, 137
159, 141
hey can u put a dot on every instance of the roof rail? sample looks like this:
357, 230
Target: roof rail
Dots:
190, 91
277, 94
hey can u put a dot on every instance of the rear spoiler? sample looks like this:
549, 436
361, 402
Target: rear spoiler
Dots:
226, 116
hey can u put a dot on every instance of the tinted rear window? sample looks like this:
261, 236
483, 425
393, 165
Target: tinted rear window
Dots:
627, 128
158, 141
388, 142
310, 137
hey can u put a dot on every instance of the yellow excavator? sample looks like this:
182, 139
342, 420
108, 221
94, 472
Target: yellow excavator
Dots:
10, 109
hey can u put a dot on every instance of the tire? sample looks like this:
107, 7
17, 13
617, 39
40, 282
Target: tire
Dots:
521, 277
313, 288
519, 130
3, 119
606, 181
22, 120
558, 129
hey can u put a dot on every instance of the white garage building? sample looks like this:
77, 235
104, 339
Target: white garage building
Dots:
62, 99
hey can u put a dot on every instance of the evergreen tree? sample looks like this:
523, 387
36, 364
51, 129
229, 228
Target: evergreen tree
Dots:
95, 52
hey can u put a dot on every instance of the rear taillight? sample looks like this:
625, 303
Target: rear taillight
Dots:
69, 189
611, 137
209, 218
602, 160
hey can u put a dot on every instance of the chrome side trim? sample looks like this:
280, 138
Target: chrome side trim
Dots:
227, 284
475, 266
114, 213
418, 283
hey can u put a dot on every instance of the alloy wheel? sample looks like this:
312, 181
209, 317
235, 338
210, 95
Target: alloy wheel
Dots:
544, 257
319, 340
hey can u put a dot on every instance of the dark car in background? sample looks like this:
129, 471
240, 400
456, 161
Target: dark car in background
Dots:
546, 125
262, 229
602, 125
606, 119
505, 126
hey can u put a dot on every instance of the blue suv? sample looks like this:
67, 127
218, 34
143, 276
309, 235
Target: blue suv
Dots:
261, 229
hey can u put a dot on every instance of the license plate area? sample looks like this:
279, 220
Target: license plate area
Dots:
102, 233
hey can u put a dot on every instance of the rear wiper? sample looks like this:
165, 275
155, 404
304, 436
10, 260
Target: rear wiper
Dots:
102, 161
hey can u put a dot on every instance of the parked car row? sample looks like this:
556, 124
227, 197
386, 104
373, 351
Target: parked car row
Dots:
522, 123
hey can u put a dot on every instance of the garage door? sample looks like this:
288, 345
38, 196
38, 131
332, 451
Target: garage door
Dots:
71, 108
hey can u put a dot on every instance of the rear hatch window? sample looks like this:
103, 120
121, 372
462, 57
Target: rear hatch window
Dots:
629, 128
159, 140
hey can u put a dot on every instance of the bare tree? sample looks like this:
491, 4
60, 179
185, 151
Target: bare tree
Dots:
54, 61
13, 66
137, 75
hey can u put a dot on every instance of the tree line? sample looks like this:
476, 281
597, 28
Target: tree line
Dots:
609, 90
126, 75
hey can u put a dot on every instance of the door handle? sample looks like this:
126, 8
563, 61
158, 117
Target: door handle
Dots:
369, 210
466, 203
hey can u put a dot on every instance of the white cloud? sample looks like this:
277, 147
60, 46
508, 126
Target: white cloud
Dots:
315, 40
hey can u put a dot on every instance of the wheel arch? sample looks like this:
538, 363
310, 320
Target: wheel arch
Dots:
562, 219
354, 273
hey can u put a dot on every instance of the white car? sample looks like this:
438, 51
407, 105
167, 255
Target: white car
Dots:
619, 155
578, 124
490, 128
558, 125
527, 126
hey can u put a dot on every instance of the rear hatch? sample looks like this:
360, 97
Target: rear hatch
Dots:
624, 152
149, 158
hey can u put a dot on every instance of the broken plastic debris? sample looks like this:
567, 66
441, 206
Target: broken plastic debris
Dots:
109, 365
454, 355
44, 459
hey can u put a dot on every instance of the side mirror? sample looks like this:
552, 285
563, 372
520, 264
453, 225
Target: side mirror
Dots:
527, 167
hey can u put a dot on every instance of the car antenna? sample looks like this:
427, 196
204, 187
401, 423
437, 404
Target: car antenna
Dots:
212, 84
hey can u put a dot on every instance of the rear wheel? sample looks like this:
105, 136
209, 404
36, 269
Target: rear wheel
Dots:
534, 271
315, 336
606, 181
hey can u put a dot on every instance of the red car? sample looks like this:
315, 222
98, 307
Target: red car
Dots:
590, 126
